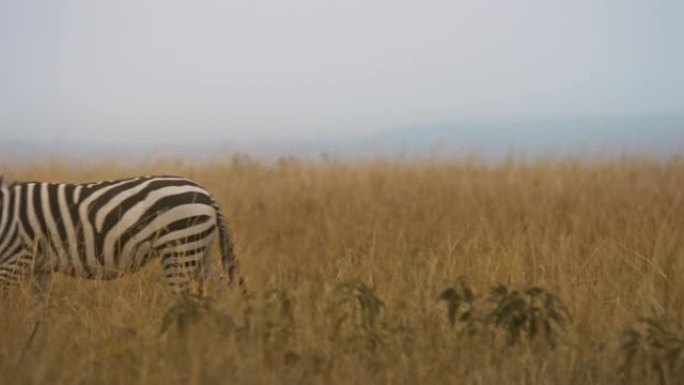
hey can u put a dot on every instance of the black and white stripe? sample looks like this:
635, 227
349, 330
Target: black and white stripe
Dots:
106, 229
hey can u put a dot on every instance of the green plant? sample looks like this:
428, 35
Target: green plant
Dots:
461, 306
529, 312
356, 311
532, 312
652, 349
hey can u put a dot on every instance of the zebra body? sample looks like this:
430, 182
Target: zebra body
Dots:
106, 229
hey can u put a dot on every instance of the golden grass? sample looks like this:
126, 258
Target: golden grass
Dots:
606, 236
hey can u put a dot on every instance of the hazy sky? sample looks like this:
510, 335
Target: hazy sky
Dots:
223, 70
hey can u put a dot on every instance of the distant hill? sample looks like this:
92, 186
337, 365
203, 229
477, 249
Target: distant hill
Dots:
657, 135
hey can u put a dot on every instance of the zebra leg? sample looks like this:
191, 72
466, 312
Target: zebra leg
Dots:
14, 271
182, 265
10, 280
206, 273
41, 270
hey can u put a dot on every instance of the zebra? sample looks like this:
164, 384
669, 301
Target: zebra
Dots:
104, 230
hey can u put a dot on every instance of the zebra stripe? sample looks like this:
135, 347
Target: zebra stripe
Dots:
103, 230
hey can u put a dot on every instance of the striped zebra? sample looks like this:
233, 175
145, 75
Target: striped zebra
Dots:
104, 230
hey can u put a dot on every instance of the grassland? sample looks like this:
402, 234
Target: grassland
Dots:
345, 263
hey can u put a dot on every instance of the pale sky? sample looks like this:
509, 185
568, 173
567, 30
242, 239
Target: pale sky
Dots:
140, 70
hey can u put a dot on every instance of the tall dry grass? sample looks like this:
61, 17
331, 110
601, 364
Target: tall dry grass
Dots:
345, 263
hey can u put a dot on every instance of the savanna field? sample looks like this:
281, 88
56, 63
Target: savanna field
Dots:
386, 272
